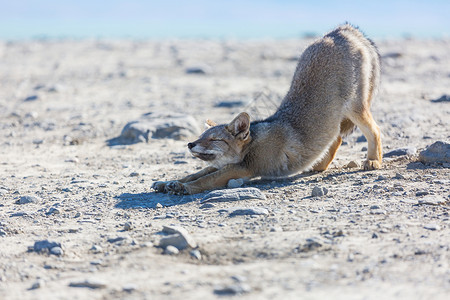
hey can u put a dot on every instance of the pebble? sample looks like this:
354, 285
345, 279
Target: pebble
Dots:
421, 193
196, 254
28, 199
171, 250
230, 104
57, 251
207, 205
117, 239
134, 174
2, 232
203, 69
127, 226
318, 191
178, 237
31, 98
443, 98
52, 211
310, 245
432, 200
432, 226
398, 176
233, 289
129, 288
235, 183
352, 164
158, 205
436, 152
88, 283
247, 211
233, 195
361, 139
37, 284
401, 151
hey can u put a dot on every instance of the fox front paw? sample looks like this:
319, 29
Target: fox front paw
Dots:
159, 186
176, 188
372, 165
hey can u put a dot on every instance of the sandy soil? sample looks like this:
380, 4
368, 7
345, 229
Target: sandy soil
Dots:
378, 234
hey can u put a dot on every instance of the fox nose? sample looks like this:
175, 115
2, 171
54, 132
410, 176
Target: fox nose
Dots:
191, 145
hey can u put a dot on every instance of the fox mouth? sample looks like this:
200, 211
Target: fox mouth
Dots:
204, 156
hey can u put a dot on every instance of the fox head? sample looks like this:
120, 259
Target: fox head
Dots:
221, 145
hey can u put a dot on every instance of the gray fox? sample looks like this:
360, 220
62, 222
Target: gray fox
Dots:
331, 92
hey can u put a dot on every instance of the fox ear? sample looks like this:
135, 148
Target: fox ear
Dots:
240, 126
209, 123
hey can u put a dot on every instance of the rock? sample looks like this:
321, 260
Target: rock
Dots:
200, 69
361, 139
96, 249
130, 287
2, 232
159, 205
398, 176
31, 98
352, 164
381, 177
401, 151
443, 98
134, 174
432, 200
171, 250
46, 246
37, 284
235, 183
233, 289
421, 193
88, 283
436, 152
248, 211
28, 199
196, 254
56, 251
230, 104
127, 226
157, 125
207, 205
319, 191
233, 195
52, 211
178, 237
117, 239
310, 245
432, 226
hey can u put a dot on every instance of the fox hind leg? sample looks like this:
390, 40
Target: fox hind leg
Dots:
371, 131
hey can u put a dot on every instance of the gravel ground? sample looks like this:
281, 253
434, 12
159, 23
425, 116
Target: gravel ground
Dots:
78, 219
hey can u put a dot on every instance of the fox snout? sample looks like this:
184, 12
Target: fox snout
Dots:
191, 145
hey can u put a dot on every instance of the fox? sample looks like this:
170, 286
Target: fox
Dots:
331, 92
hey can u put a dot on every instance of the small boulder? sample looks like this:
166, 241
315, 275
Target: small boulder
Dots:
438, 152
175, 126
233, 195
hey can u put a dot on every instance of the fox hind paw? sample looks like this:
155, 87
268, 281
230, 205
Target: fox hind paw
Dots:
159, 186
372, 165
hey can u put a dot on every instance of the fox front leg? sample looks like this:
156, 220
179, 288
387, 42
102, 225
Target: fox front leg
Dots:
211, 181
172, 186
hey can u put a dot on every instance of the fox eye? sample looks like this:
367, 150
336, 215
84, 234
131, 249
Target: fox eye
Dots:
216, 140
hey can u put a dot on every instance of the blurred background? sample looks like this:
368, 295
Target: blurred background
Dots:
242, 19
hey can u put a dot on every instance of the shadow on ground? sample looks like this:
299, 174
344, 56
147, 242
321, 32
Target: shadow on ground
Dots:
151, 200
